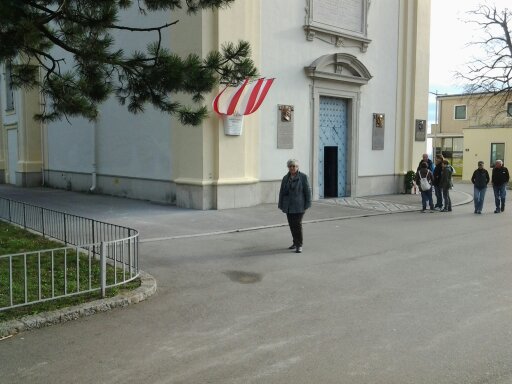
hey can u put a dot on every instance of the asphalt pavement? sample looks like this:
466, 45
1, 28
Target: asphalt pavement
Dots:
381, 294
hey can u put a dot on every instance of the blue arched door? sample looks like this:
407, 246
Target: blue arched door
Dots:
332, 154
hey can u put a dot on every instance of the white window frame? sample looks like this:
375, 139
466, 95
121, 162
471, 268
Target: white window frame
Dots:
465, 112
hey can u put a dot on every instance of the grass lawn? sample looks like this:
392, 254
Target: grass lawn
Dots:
39, 268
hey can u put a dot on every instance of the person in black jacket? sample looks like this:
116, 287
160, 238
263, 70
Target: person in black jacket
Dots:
480, 179
436, 180
500, 178
294, 199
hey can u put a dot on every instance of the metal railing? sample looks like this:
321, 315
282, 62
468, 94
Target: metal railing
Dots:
96, 256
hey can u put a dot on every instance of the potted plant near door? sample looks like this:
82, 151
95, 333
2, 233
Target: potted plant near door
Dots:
409, 181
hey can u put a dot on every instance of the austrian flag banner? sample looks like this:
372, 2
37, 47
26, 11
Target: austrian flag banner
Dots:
232, 103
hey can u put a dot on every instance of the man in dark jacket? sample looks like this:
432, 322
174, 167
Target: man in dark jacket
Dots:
436, 180
480, 179
425, 159
500, 178
294, 199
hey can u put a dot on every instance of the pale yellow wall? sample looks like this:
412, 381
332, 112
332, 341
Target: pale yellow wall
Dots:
413, 81
238, 155
477, 144
187, 142
29, 133
204, 155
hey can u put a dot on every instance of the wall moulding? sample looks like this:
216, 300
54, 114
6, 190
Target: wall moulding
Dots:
338, 22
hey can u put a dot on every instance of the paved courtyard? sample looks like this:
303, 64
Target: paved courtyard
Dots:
376, 297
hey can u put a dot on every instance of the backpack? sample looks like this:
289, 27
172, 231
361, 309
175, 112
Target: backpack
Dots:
424, 183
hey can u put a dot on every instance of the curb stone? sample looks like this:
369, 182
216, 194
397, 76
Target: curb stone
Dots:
147, 288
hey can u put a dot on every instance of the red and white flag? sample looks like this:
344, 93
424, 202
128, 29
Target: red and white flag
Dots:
242, 100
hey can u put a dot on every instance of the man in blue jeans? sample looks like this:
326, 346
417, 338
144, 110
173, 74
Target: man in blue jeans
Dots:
500, 178
480, 179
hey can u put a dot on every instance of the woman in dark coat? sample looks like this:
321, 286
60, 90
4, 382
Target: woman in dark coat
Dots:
294, 199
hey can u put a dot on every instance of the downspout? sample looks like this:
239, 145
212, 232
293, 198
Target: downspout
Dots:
312, 161
94, 153
43, 128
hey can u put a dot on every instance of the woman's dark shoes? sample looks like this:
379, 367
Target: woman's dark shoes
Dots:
291, 246
298, 250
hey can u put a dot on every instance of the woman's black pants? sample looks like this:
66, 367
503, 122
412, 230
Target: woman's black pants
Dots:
295, 223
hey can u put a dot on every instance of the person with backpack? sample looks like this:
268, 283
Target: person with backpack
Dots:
480, 179
424, 179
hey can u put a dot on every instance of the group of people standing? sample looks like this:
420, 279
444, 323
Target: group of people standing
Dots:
438, 177
500, 178
295, 191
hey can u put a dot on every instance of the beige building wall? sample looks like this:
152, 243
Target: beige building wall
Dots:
447, 124
477, 143
412, 103
212, 170
28, 169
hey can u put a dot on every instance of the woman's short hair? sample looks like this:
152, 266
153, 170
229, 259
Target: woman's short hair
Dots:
292, 162
423, 164
440, 157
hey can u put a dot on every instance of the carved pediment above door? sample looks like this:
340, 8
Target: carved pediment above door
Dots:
341, 67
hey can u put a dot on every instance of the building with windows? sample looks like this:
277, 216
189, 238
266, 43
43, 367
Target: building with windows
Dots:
473, 127
447, 135
352, 77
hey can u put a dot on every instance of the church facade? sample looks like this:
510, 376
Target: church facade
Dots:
349, 101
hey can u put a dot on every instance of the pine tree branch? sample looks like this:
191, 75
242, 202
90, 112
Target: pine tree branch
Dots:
133, 29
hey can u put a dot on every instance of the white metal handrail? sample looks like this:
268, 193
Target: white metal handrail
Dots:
111, 260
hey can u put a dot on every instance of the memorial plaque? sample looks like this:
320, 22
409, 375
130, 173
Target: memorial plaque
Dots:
378, 131
344, 14
285, 121
420, 130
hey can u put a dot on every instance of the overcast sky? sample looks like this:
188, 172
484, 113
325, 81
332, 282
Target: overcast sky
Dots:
449, 35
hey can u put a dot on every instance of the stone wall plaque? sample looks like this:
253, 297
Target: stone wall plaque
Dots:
285, 122
378, 131
341, 21
343, 14
420, 130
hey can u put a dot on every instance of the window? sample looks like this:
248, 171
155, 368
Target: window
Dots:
452, 150
509, 109
497, 152
9, 94
460, 112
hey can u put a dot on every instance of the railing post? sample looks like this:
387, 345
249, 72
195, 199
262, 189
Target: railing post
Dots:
65, 230
103, 268
10, 220
24, 217
42, 220
93, 240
